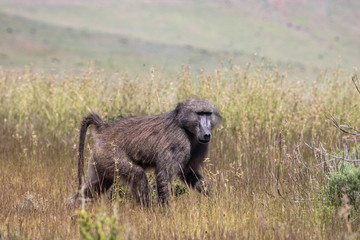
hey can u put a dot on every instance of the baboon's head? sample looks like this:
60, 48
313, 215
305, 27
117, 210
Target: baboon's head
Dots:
198, 117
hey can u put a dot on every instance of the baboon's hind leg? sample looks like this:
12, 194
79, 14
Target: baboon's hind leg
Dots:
95, 185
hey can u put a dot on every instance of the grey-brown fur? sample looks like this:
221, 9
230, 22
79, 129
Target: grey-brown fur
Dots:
174, 144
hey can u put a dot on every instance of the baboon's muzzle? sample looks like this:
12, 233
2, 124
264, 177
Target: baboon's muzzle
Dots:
205, 129
205, 138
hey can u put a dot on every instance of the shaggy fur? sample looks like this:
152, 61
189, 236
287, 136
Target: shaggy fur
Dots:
174, 144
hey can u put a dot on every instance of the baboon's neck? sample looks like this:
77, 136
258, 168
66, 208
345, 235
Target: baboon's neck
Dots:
198, 153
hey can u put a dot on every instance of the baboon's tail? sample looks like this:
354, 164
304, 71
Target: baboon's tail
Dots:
96, 120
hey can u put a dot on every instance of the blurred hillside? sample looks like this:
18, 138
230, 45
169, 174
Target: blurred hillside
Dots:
137, 34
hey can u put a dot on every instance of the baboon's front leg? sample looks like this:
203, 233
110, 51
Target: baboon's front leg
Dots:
139, 185
163, 181
135, 177
194, 179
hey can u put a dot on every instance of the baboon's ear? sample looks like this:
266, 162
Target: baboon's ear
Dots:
218, 115
178, 108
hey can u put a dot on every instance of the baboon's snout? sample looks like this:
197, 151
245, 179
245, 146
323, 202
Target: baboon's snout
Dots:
205, 137
205, 129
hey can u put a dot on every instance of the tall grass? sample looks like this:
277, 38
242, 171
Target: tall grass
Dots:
267, 183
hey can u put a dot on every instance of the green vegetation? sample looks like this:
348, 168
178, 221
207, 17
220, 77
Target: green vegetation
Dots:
346, 180
99, 226
139, 34
269, 164
267, 183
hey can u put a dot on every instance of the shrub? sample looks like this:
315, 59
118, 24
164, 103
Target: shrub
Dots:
346, 180
99, 226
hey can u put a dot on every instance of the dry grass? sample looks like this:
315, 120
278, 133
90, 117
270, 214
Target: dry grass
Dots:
267, 183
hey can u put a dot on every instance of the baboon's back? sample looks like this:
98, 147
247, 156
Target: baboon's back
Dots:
145, 139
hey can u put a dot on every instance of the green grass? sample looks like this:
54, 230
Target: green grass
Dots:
308, 36
267, 183
47, 47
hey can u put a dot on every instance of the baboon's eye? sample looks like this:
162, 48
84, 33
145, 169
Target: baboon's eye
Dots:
204, 113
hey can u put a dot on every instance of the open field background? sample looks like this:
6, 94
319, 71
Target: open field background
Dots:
135, 35
267, 183
133, 58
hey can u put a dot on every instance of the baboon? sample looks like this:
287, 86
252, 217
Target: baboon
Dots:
173, 143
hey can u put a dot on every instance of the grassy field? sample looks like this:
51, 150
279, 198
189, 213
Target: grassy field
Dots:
267, 183
274, 69
135, 35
